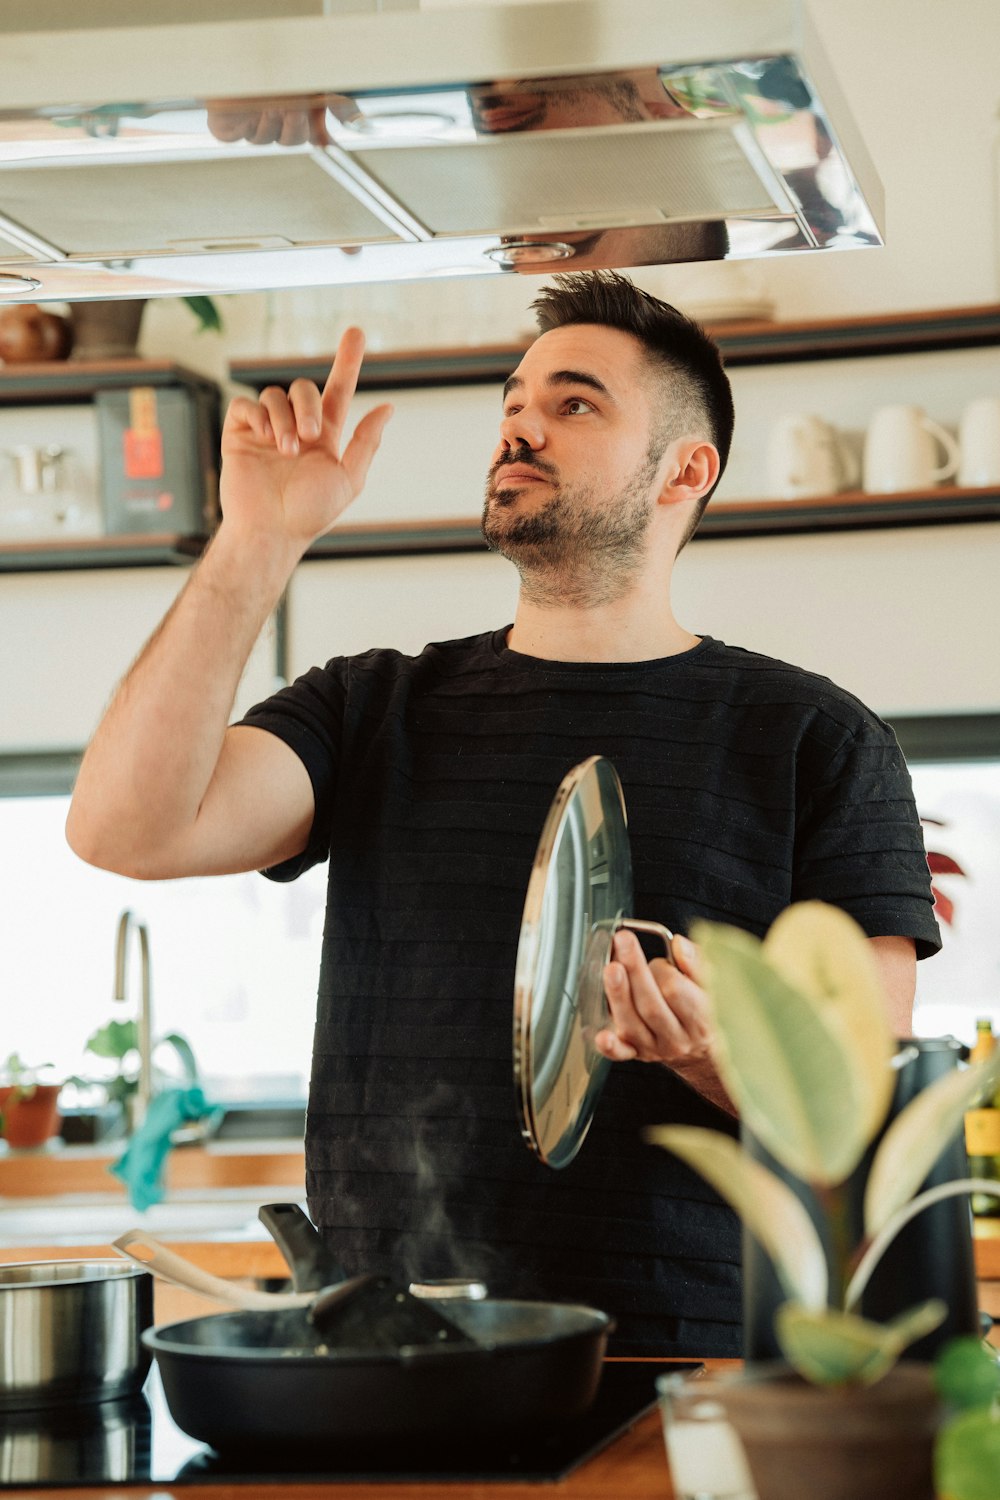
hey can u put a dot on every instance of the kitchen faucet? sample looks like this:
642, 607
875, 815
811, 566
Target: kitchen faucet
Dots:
127, 923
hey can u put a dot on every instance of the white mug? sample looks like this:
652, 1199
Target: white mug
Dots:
899, 451
805, 456
979, 441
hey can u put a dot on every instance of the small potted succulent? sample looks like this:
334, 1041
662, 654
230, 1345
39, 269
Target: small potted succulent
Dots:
29, 1112
804, 1047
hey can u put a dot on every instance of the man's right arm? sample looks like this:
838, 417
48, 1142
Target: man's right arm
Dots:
166, 787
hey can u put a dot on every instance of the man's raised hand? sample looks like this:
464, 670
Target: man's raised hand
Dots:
284, 476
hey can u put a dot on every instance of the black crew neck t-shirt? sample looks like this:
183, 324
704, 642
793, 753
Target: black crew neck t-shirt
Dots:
749, 784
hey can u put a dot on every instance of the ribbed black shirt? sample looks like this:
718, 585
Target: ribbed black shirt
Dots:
749, 784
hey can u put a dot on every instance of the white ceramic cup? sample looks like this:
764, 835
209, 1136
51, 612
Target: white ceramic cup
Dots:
979, 441
805, 456
900, 454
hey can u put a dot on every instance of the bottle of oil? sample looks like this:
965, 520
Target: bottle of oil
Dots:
982, 1131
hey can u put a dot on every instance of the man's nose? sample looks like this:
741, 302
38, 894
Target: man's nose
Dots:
522, 429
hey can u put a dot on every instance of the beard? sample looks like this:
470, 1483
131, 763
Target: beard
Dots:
580, 547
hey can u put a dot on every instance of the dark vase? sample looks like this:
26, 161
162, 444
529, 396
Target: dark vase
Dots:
106, 330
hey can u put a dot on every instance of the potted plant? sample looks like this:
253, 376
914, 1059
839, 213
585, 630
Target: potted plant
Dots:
28, 1109
117, 1043
803, 1045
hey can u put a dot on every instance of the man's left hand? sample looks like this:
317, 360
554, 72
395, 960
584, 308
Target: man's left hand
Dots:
659, 1012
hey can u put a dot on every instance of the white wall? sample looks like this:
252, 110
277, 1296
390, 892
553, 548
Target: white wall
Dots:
67, 638
908, 620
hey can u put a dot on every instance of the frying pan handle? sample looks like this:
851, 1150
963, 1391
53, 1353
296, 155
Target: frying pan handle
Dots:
656, 928
171, 1267
310, 1262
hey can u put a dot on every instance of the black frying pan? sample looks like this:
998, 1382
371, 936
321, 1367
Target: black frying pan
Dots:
261, 1378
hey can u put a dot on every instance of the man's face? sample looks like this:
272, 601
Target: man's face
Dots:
573, 480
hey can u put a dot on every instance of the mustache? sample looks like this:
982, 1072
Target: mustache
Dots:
525, 459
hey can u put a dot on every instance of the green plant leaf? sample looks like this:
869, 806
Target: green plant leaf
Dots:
966, 1374
917, 1136
114, 1039
208, 315
838, 1348
823, 953
770, 1209
785, 1065
967, 1457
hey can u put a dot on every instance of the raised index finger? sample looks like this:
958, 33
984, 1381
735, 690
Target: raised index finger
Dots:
342, 381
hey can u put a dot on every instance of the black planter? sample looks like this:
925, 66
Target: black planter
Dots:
931, 1257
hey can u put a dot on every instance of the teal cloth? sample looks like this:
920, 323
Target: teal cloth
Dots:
140, 1166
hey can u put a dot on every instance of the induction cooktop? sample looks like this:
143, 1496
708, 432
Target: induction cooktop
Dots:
119, 1442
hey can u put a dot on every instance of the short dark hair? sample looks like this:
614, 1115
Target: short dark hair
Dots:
674, 344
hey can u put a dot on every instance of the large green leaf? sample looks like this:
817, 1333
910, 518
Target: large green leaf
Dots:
785, 1065
837, 1348
917, 1136
114, 1040
967, 1457
823, 953
769, 1208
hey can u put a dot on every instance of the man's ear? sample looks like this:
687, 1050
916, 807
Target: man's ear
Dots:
692, 471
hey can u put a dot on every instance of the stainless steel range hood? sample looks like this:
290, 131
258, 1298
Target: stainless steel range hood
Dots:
484, 139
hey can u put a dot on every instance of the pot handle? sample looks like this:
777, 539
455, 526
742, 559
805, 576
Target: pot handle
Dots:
169, 1266
635, 924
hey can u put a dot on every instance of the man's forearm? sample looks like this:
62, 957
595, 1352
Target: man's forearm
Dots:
152, 757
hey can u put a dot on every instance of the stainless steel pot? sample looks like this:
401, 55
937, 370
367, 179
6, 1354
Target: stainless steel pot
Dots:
70, 1331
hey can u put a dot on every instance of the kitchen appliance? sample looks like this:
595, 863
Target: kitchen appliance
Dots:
49, 485
70, 1333
159, 469
931, 1257
139, 1442
578, 893
414, 140
63, 1445
136, 458
267, 1375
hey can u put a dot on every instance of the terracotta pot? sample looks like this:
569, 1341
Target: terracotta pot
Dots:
30, 334
850, 1443
106, 330
29, 1121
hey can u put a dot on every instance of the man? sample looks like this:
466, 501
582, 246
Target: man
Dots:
425, 781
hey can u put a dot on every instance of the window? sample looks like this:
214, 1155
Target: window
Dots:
234, 960
955, 765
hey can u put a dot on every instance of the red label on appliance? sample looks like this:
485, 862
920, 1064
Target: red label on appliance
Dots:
143, 453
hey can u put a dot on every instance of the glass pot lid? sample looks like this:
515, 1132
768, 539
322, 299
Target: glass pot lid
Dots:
578, 893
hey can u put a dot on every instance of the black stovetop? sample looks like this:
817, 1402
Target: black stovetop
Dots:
118, 1442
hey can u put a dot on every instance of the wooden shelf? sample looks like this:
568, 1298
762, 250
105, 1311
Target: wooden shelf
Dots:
126, 551
747, 343
845, 512
850, 511
67, 380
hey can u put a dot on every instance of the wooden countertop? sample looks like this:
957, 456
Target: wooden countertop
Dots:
633, 1468
218, 1164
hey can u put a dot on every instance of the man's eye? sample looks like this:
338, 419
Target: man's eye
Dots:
579, 402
